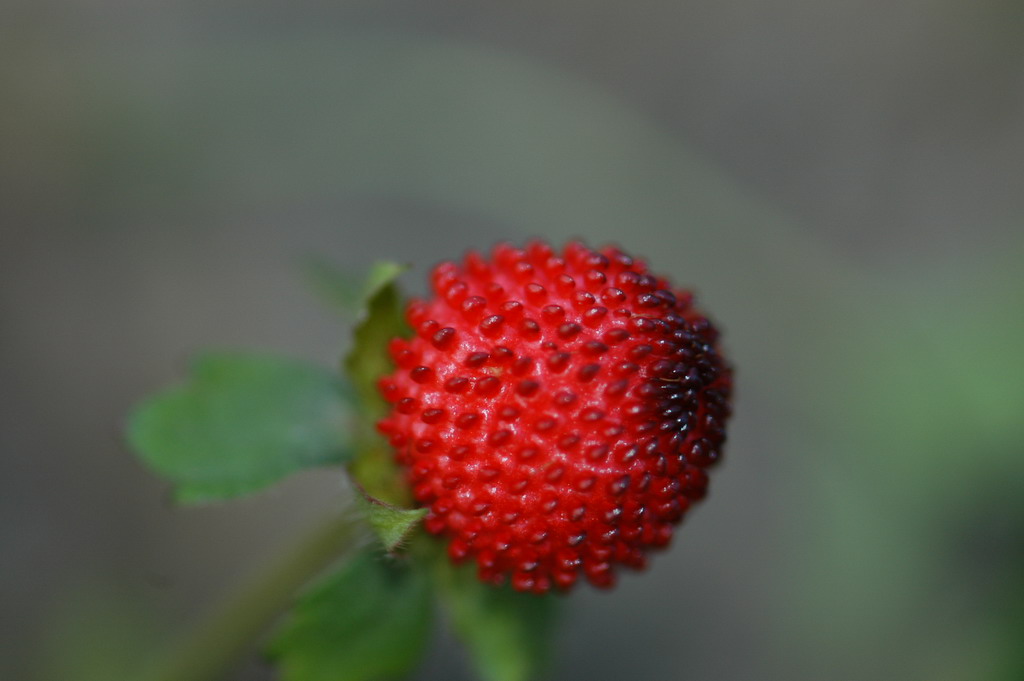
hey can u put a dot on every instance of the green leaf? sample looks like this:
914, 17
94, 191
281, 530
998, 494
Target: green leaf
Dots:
509, 634
391, 524
382, 318
347, 291
382, 274
368, 622
242, 422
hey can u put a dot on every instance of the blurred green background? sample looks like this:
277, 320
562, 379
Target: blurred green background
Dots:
841, 183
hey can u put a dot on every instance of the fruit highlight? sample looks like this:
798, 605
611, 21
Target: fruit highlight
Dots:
556, 412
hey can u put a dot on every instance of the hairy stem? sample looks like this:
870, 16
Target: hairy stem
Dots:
232, 631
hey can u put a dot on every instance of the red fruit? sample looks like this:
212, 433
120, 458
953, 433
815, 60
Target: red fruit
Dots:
555, 412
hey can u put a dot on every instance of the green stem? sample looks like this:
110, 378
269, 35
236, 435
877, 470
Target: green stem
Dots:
232, 631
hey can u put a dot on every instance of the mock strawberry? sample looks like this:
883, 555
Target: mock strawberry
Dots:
556, 412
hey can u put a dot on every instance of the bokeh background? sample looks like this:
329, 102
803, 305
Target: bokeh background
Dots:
840, 182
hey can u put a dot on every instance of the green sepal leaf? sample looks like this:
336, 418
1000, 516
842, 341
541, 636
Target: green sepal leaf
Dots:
381, 320
240, 423
509, 635
370, 621
347, 291
391, 524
